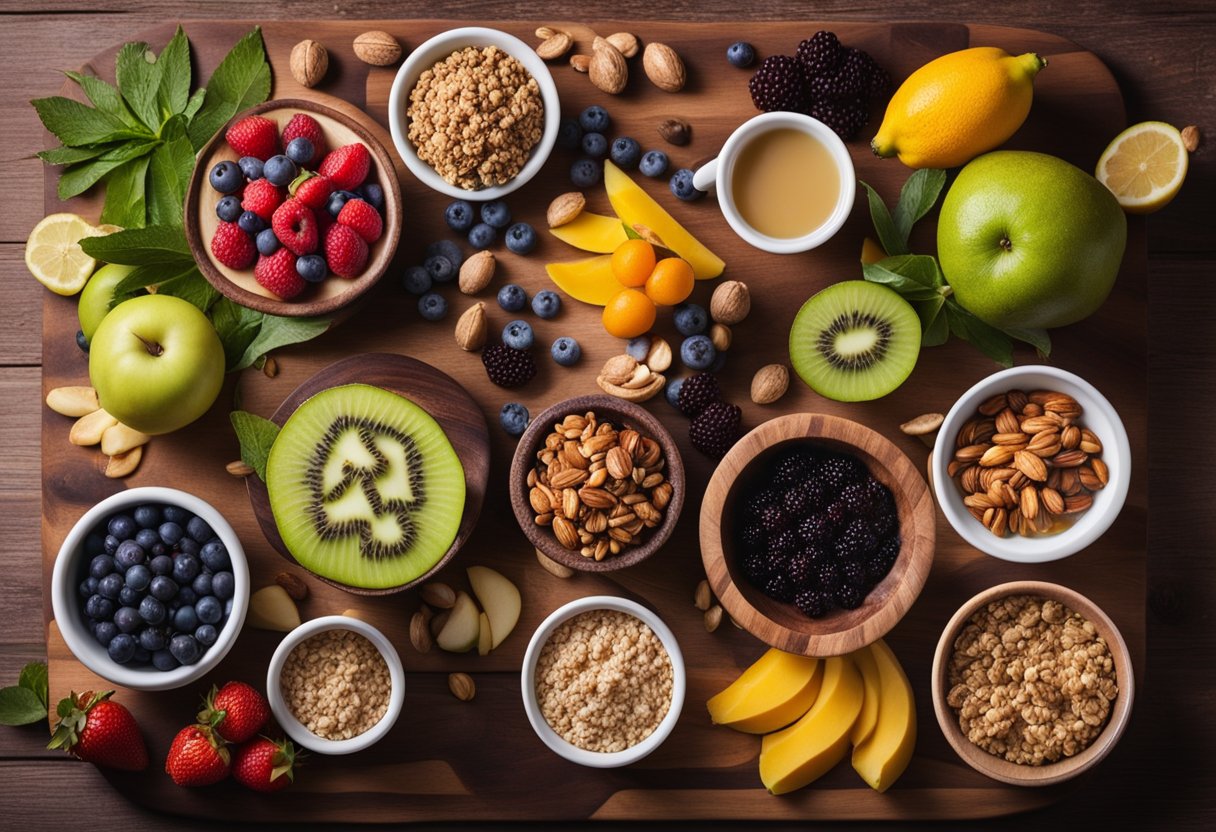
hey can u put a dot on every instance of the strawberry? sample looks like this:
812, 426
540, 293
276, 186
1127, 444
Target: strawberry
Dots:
254, 136
345, 251
363, 218
197, 757
347, 166
296, 226
237, 711
264, 765
314, 192
232, 246
99, 731
304, 125
261, 198
278, 274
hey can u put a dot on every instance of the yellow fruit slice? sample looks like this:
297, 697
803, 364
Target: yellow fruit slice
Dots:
53, 254
868, 718
882, 758
777, 689
592, 232
590, 280
871, 251
1144, 166
636, 207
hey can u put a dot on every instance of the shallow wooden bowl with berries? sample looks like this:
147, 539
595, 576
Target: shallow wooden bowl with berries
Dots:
335, 292
882, 600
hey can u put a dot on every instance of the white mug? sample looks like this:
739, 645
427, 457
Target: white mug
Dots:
718, 173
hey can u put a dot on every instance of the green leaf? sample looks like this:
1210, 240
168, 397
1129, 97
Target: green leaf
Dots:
105, 96
20, 706
79, 178
278, 332
126, 204
908, 287
987, 339
256, 435
71, 155
1037, 338
935, 329
140, 246
196, 101
237, 327
917, 198
74, 123
34, 677
174, 61
190, 285
169, 175
241, 80
138, 77
888, 235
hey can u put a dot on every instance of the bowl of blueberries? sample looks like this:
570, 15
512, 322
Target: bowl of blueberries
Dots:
150, 588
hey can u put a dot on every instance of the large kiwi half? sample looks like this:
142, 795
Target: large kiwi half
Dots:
364, 486
855, 341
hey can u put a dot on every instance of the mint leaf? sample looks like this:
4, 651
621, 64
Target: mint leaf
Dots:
909, 287
71, 155
196, 101
34, 677
138, 77
140, 246
74, 123
256, 435
1037, 338
125, 203
276, 332
79, 178
169, 174
987, 339
241, 80
105, 97
888, 235
917, 197
174, 61
20, 706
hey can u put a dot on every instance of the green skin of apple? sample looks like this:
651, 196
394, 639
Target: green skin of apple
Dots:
1028, 241
157, 363
97, 295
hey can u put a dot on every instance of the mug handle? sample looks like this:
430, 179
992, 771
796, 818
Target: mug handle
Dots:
705, 176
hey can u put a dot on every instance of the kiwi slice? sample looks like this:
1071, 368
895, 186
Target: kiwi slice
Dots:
855, 341
365, 488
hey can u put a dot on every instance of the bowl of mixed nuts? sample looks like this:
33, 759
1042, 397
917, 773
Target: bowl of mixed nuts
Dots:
597, 483
1032, 464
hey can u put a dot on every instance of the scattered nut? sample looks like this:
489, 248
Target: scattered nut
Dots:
580, 63
377, 48
619, 368
73, 401
676, 131
120, 465
471, 328
439, 594
271, 608
647, 234
565, 208
420, 634
362, 615
607, 70
293, 584
238, 468
554, 45
462, 687
437, 622
270, 367
730, 302
551, 566
658, 357
309, 63
477, 272
626, 43
923, 425
664, 67
88, 428
118, 439
702, 599
713, 618
721, 337
1191, 138
770, 383
642, 394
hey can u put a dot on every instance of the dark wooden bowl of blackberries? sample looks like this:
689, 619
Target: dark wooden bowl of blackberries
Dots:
817, 534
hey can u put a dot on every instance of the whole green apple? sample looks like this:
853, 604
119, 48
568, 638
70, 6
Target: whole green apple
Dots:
97, 295
156, 362
1027, 240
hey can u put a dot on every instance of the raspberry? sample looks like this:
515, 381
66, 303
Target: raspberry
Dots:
849, 596
261, 198
296, 227
846, 117
715, 430
839, 471
814, 603
254, 136
232, 246
507, 367
819, 53
278, 274
345, 251
305, 126
779, 85
347, 166
836, 513
314, 192
363, 218
697, 393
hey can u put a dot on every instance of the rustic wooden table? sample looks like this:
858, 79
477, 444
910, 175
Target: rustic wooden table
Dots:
1158, 51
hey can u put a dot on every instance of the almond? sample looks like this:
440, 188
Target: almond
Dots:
238, 468
580, 63
308, 63
770, 383
118, 439
89, 428
702, 599
676, 131
73, 401
1190, 138
565, 208
607, 70
293, 584
619, 368
657, 381
420, 633
730, 302
923, 425
713, 618
377, 48
477, 272
625, 43
557, 43
471, 328
462, 686
721, 337
551, 566
439, 594
664, 67
122, 464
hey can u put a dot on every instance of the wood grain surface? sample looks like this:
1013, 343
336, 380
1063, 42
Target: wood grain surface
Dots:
1158, 54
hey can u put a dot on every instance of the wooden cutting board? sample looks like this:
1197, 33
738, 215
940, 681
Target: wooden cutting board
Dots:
450, 760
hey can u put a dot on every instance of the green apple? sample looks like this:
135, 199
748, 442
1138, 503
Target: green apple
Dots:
156, 362
97, 295
1029, 241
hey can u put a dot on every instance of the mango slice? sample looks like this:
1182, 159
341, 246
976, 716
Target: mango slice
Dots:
882, 758
871, 251
590, 280
808, 749
777, 689
636, 207
592, 232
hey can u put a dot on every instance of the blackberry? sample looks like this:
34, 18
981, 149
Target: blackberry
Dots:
816, 494
845, 117
777, 587
847, 81
856, 498
877, 80
849, 596
815, 555
783, 544
877, 567
853, 572
753, 536
779, 84
815, 529
838, 471
699, 392
773, 520
508, 367
836, 513
715, 430
883, 522
799, 571
761, 500
794, 470
755, 567
828, 576
796, 503
856, 541
819, 53
889, 548
814, 603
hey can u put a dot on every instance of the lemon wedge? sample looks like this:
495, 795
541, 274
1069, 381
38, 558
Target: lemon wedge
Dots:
53, 254
1144, 166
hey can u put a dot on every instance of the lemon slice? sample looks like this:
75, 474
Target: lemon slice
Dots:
1144, 166
53, 254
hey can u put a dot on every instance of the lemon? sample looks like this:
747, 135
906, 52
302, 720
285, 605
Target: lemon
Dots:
958, 106
53, 254
1144, 166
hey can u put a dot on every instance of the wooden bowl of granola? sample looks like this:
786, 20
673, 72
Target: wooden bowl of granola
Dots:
624, 514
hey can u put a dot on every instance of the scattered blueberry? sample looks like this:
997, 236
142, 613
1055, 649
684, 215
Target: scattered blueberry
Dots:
697, 352
594, 119
171, 532
672, 392
81, 341
129, 553
175, 514
300, 150
595, 145
521, 238
226, 177
569, 134
417, 280
267, 242
448, 249
110, 586
251, 167
280, 170
311, 267
514, 418
228, 209
638, 348
101, 565
373, 194
432, 306
482, 236
460, 216
566, 351
250, 223
129, 597
440, 268
626, 152
337, 200
546, 304
741, 54
152, 638
186, 595
98, 607
586, 173
122, 648
512, 298
653, 164
690, 319
127, 619
518, 335
681, 186
496, 214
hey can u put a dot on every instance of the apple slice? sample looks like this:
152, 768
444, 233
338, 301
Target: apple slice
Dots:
499, 597
462, 630
485, 638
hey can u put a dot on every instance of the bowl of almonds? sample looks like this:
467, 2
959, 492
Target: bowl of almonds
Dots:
1032, 464
597, 483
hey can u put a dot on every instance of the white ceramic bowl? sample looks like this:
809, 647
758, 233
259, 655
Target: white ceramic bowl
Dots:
70, 569
436, 49
1099, 416
598, 759
294, 728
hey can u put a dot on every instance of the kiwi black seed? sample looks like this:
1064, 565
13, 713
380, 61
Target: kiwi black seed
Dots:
855, 341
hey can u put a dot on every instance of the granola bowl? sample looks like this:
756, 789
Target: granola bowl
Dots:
440, 48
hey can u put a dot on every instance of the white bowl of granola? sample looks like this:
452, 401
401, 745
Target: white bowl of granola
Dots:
474, 146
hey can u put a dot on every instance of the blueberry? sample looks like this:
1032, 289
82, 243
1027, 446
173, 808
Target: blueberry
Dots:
569, 134
512, 298
147, 538
185, 619
122, 648
185, 569
251, 167
227, 608
152, 610
105, 632
163, 588
279, 170
157, 549
566, 351
337, 200
460, 216
638, 348
100, 566
586, 173
223, 585
681, 186
127, 619
514, 418
214, 556
175, 514
653, 164
697, 352
690, 319
122, 526
594, 119
141, 656
672, 392
129, 553
250, 223
82, 343
521, 238
98, 607
110, 586
267, 241
741, 54
228, 208
129, 597
206, 634
300, 151
161, 565
546, 304
163, 660
311, 267
626, 152
595, 145
111, 544
518, 335
445, 248
209, 609
188, 546
87, 587
152, 639
226, 177
482, 236
186, 595
184, 648
432, 306
417, 280
496, 214
202, 584
719, 363
198, 529
94, 544
372, 194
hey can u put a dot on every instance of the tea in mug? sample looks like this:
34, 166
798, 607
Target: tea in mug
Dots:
785, 183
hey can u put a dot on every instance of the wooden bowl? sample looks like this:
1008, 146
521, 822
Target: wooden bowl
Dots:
332, 294
782, 625
622, 414
1026, 775
435, 392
